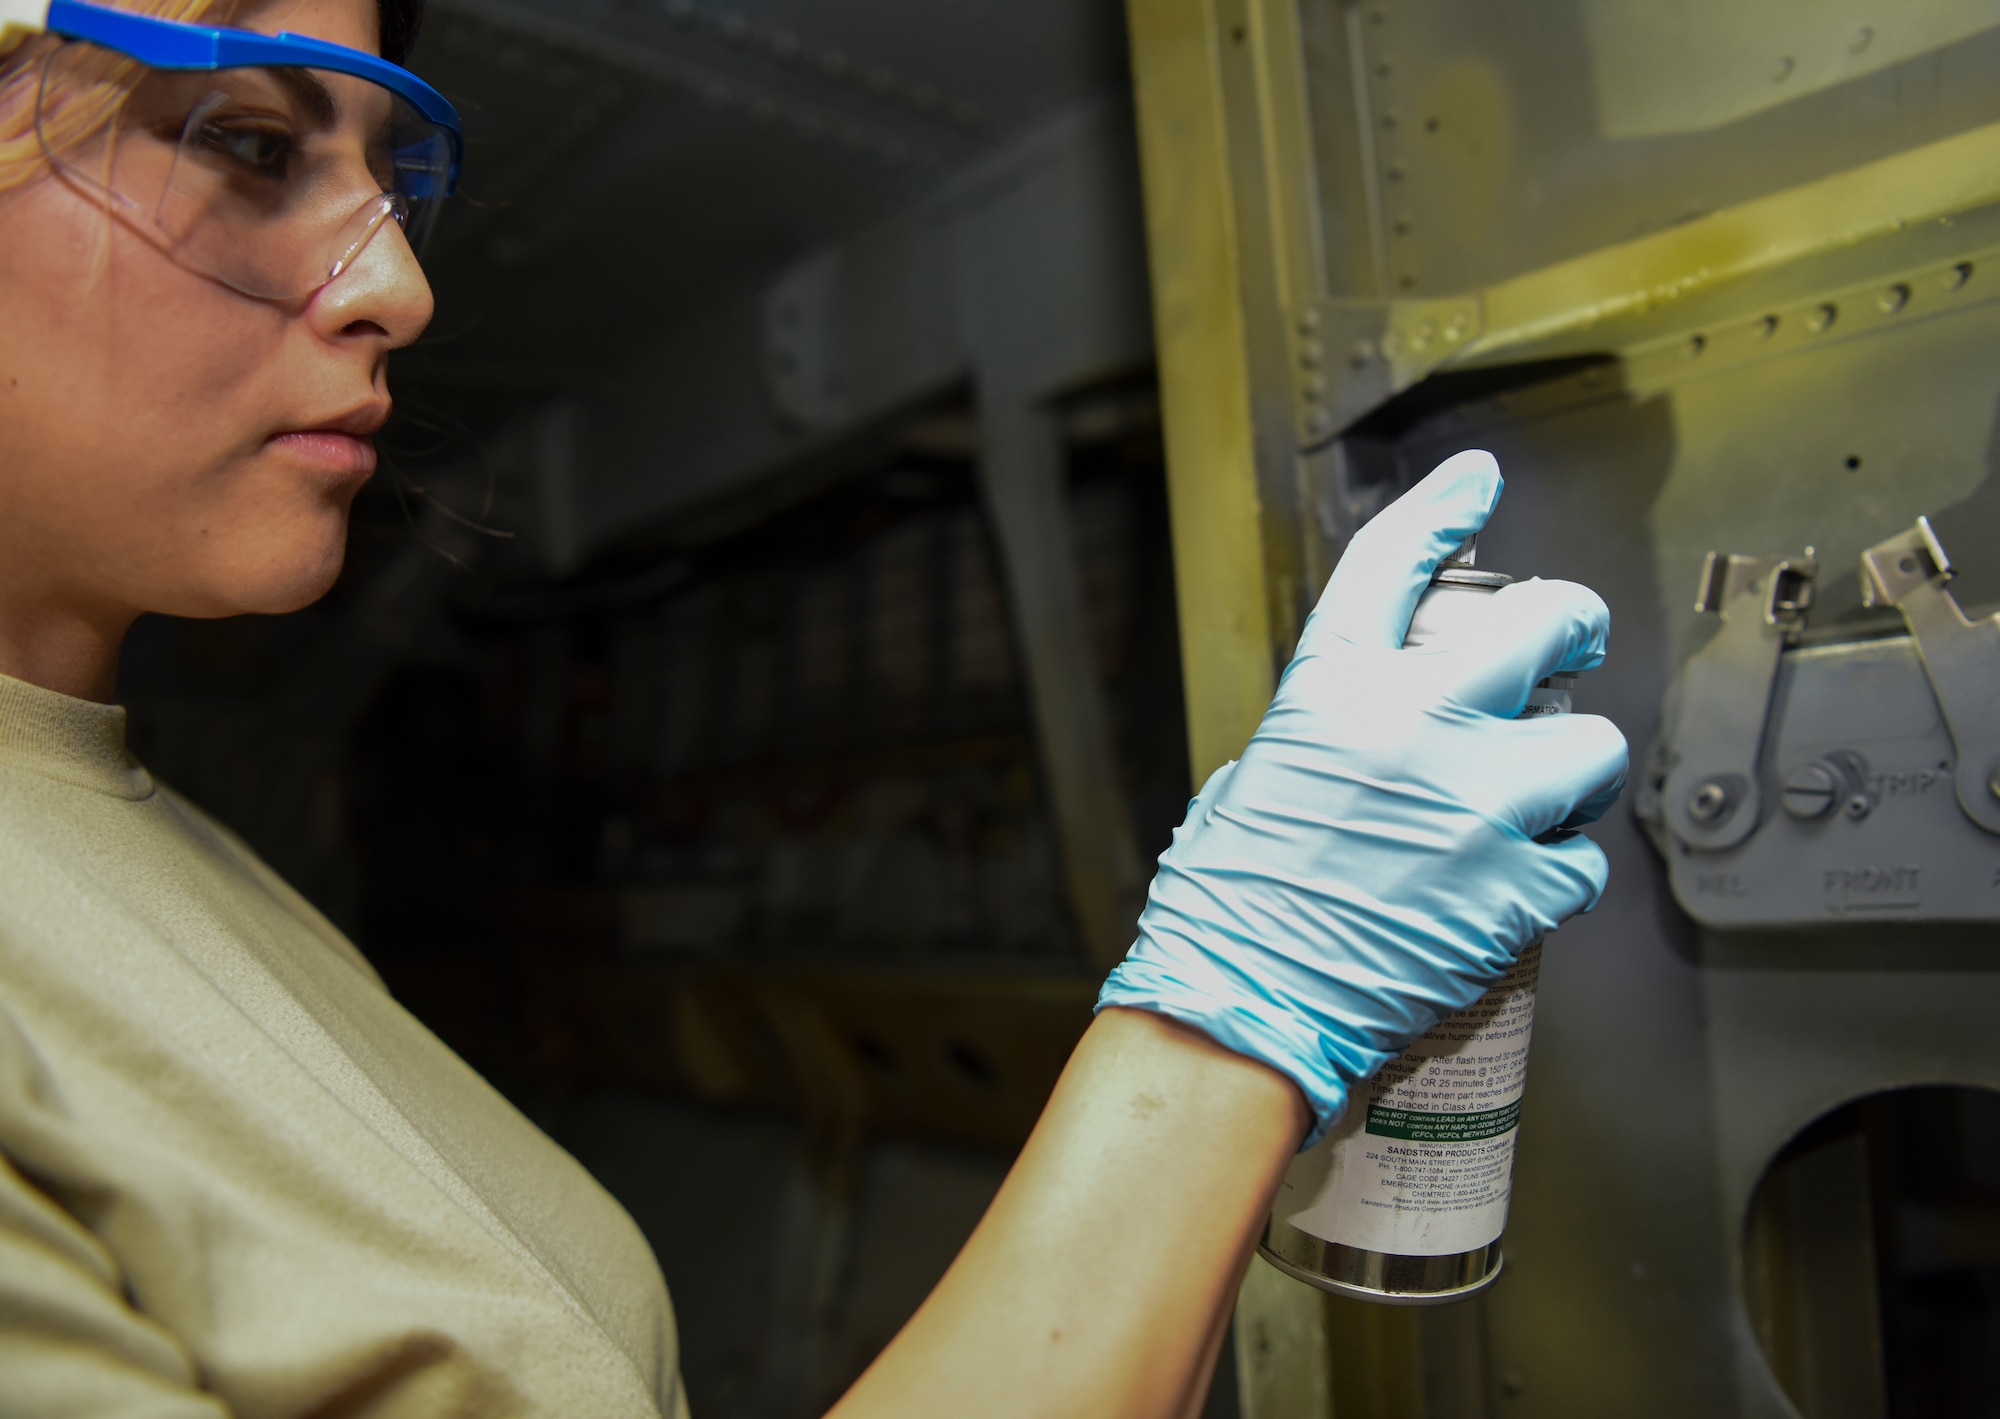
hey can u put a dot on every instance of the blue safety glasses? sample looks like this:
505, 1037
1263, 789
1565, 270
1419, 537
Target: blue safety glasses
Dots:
266, 162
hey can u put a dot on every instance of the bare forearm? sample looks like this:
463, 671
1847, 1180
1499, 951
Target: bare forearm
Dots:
1098, 1281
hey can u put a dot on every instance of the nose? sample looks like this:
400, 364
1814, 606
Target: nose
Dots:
382, 297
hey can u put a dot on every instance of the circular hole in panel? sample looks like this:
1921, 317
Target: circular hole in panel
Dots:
1853, 462
1871, 1257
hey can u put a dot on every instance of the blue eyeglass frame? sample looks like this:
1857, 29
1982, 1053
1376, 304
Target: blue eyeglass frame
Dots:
169, 44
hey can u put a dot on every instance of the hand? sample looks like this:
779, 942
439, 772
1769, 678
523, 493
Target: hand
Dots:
1376, 859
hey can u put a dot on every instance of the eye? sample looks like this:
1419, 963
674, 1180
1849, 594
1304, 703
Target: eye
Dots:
259, 148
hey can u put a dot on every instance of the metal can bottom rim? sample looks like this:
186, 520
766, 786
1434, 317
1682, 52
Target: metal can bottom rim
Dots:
1356, 1271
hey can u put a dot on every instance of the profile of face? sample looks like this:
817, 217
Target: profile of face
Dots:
169, 443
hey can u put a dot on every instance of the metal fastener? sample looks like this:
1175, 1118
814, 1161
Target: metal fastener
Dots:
1894, 299
1710, 802
1822, 317
1810, 791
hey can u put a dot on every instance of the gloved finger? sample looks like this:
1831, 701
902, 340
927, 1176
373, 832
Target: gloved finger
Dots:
1211, 792
1598, 803
1542, 773
1581, 872
1520, 636
1389, 562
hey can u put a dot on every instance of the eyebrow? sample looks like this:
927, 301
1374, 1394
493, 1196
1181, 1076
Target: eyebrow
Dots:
315, 97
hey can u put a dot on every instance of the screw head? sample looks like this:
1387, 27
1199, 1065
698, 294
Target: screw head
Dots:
1810, 791
1710, 802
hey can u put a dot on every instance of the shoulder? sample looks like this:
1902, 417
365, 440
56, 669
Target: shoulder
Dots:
237, 856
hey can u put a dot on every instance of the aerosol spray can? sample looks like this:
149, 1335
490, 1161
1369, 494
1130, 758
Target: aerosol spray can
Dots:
1405, 1200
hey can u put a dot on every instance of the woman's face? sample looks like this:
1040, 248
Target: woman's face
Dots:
166, 443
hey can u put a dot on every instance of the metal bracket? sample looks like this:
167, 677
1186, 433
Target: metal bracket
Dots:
1961, 657
1711, 796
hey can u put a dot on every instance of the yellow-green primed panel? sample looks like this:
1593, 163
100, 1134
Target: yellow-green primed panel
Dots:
1565, 308
1204, 377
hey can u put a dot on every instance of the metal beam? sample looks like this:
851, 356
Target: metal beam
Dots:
1025, 478
1200, 326
766, 73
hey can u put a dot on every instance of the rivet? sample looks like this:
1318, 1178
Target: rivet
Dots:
1894, 299
1456, 330
1957, 276
1403, 225
1696, 345
1391, 118
1822, 318
1308, 321
1782, 70
1320, 422
1311, 352
1314, 386
1767, 327
1408, 280
1858, 806
1863, 37
1397, 171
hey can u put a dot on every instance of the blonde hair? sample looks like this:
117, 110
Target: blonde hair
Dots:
93, 98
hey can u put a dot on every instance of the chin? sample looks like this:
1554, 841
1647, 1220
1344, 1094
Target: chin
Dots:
262, 584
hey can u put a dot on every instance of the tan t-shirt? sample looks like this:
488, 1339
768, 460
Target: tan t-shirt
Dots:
235, 1176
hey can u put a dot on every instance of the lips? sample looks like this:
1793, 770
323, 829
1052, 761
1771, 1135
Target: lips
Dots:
330, 450
343, 447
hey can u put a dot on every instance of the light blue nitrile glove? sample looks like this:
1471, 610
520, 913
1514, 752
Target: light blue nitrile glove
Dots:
1370, 864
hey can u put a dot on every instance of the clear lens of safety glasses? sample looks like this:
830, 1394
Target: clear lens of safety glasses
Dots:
270, 180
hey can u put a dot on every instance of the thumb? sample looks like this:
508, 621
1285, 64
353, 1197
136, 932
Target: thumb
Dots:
1388, 563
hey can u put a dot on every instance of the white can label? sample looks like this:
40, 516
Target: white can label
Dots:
1423, 1166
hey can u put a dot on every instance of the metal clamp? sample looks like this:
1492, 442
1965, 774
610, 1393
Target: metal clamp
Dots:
1961, 657
1711, 797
